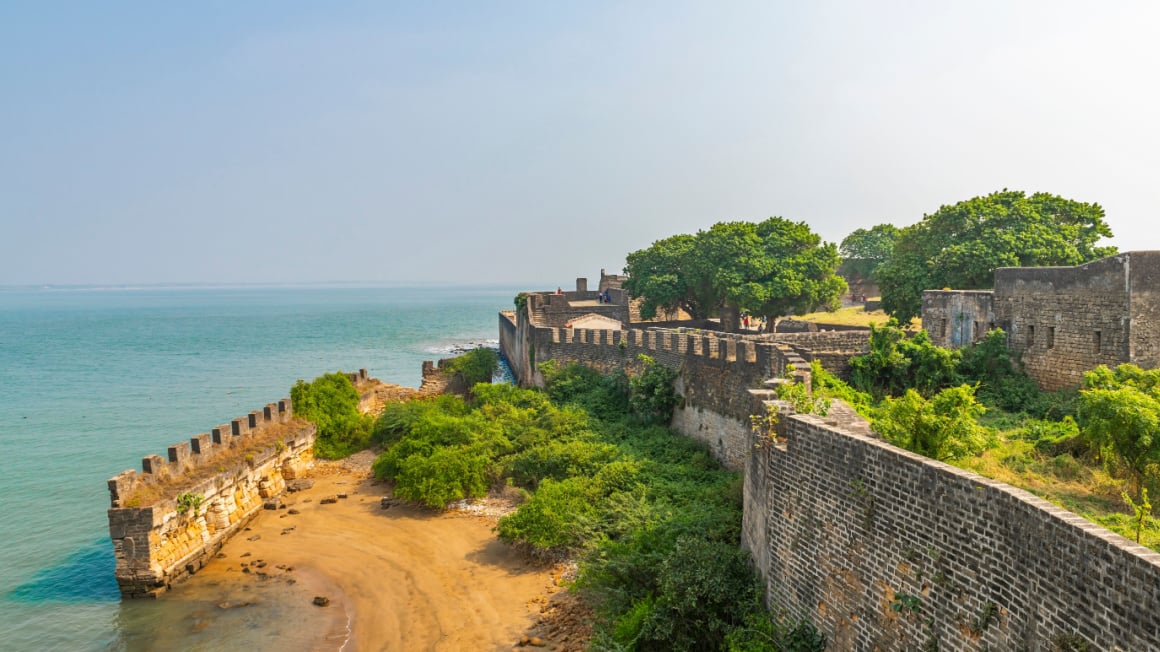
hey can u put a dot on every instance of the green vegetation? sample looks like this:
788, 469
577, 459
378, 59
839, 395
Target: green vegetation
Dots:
943, 428
977, 409
1120, 411
651, 394
896, 363
653, 519
960, 246
770, 268
865, 250
189, 502
331, 402
476, 366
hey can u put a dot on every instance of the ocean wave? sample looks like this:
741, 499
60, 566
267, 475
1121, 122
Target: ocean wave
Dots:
459, 347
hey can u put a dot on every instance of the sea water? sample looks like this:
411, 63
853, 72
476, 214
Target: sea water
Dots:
93, 379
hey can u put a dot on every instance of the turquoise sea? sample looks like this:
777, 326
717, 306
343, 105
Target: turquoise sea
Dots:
92, 379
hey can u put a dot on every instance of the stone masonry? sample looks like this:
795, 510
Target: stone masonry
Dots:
881, 548
153, 543
1063, 321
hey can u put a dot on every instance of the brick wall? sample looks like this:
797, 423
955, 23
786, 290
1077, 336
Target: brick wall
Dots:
856, 525
1064, 321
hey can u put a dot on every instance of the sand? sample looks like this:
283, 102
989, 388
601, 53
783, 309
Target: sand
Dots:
402, 578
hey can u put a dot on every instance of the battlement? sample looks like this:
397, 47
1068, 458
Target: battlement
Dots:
186, 457
169, 519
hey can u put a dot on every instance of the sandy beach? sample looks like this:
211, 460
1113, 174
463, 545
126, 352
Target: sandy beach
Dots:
401, 578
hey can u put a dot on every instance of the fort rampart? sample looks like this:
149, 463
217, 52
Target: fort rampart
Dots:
881, 548
168, 520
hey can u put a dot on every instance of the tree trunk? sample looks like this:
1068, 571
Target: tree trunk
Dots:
730, 317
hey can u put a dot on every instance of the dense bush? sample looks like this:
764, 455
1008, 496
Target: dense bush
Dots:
827, 385
651, 393
944, 428
331, 402
896, 363
1120, 413
476, 366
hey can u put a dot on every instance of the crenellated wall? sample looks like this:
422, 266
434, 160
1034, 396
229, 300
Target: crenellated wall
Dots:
717, 369
881, 548
223, 477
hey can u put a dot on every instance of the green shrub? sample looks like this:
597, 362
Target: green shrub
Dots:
944, 427
763, 632
1120, 414
1055, 437
560, 515
827, 385
446, 475
705, 590
651, 394
561, 459
603, 397
896, 363
476, 366
331, 402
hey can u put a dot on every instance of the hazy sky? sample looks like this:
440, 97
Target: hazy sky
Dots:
532, 142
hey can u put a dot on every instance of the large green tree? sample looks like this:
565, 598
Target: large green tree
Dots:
865, 250
768, 268
960, 246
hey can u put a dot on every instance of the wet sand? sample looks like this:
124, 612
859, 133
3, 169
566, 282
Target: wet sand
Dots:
401, 578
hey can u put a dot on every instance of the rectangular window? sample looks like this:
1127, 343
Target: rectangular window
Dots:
1051, 337
1030, 336
942, 328
1097, 342
979, 332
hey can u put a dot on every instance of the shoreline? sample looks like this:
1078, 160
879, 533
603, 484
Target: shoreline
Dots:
397, 578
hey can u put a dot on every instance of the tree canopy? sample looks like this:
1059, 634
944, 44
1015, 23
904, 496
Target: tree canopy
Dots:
960, 246
768, 268
865, 250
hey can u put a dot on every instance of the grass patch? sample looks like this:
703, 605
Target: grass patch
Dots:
854, 316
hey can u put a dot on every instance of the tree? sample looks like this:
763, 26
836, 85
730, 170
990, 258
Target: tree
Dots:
960, 246
770, 268
865, 250
660, 276
1119, 411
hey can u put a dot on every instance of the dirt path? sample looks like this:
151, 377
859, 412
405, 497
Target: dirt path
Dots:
406, 578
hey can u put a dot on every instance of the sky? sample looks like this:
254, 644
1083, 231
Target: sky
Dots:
534, 142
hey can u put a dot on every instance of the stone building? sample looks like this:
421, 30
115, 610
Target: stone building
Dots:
1063, 321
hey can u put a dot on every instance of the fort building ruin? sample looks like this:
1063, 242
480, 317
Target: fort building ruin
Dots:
1062, 321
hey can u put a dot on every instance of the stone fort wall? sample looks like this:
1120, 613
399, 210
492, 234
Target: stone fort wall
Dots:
881, 548
234, 469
